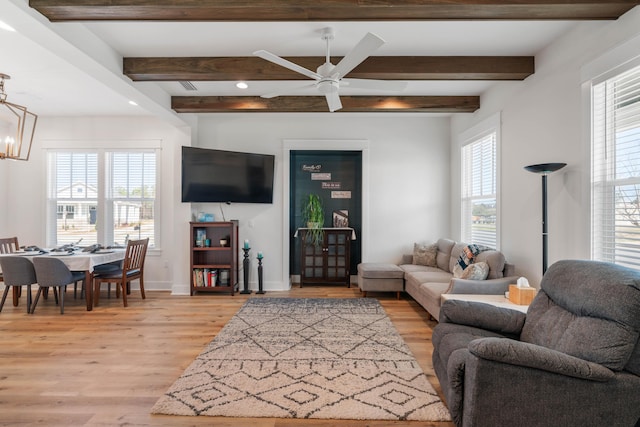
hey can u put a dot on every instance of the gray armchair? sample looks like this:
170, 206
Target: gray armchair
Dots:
572, 360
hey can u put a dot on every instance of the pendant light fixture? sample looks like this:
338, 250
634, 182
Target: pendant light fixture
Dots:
17, 126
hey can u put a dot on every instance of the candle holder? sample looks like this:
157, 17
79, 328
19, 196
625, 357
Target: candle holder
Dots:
245, 270
260, 290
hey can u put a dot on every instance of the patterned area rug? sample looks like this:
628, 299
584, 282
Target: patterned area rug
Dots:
306, 358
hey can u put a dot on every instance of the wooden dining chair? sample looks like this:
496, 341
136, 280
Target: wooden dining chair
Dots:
18, 272
52, 272
132, 269
8, 245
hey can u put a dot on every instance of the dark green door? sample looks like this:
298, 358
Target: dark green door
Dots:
336, 176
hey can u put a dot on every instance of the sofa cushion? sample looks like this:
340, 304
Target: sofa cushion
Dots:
449, 337
380, 270
425, 254
589, 338
430, 274
444, 254
574, 313
634, 361
495, 260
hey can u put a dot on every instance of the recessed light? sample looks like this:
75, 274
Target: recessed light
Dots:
242, 85
5, 26
133, 103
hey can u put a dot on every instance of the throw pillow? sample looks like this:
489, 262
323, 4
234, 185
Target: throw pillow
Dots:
425, 254
476, 271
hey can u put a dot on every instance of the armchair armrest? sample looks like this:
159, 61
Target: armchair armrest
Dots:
520, 353
487, 287
484, 316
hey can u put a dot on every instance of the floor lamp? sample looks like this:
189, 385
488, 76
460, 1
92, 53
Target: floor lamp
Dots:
544, 169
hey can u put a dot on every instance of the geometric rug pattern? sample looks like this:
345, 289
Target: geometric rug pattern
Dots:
306, 358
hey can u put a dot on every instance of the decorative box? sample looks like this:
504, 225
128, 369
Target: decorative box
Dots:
521, 296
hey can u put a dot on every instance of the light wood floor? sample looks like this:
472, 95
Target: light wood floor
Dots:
108, 367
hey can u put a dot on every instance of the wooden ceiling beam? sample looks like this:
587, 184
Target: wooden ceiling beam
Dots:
375, 67
328, 10
294, 104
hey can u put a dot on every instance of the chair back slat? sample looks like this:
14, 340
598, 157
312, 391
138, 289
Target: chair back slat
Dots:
135, 255
8, 245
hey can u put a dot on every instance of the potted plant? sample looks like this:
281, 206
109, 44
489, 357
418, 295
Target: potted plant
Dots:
313, 216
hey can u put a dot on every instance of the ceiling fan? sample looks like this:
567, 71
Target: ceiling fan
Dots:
329, 78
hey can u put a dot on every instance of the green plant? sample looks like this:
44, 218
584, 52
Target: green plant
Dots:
313, 217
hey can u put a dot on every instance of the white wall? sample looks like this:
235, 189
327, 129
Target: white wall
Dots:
5, 183
408, 181
544, 120
408, 178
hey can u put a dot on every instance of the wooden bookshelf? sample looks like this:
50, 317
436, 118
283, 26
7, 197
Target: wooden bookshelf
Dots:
214, 268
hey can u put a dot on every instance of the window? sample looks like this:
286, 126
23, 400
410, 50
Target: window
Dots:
102, 196
615, 169
479, 216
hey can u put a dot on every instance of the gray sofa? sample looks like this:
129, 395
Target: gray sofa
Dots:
427, 283
572, 360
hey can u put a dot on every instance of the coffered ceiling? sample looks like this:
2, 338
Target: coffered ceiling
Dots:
185, 56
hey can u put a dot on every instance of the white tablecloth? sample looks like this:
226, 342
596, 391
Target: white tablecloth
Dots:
79, 261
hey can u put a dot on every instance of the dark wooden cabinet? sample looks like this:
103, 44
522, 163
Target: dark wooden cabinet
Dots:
327, 263
214, 266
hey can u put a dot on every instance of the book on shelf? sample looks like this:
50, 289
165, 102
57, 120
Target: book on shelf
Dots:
205, 277
223, 277
201, 236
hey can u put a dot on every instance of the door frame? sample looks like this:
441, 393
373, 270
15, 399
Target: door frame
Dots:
289, 145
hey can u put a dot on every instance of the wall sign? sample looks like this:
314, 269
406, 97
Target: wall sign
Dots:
321, 177
331, 185
341, 194
311, 168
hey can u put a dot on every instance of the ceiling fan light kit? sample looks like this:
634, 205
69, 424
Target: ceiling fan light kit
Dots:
329, 78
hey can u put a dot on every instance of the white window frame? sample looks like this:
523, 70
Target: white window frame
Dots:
490, 126
611, 240
104, 214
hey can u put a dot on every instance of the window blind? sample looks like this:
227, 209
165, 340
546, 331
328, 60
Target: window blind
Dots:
72, 197
479, 191
615, 170
132, 191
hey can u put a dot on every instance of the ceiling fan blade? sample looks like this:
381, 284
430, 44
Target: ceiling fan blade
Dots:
287, 64
386, 85
333, 100
288, 91
359, 53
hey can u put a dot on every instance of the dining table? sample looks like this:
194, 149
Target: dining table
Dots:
76, 260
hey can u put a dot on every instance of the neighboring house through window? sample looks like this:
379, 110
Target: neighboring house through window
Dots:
615, 169
479, 178
102, 196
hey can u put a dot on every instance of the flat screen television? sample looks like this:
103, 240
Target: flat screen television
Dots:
226, 176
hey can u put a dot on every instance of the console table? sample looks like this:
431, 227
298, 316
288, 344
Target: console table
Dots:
328, 263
